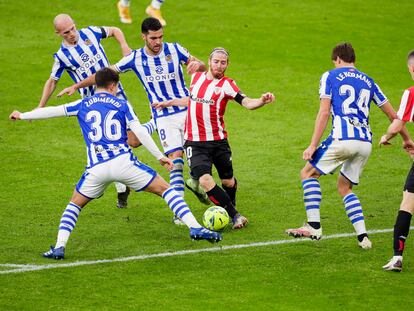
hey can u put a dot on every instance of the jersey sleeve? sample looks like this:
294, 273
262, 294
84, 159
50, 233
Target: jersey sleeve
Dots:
379, 98
130, 115
183, 54
57, 68
126, 63
406, 110
100, 32
231, 89
72, 108
325, 86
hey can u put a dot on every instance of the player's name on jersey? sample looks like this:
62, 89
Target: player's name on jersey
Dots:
349, 74
106, 100
160, 77
202, 100
88, 62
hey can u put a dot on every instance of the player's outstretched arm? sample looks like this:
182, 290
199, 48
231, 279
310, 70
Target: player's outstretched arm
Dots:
181, 102
81, 84
254, 103
40, 113
320, 126
119, 36
48, 90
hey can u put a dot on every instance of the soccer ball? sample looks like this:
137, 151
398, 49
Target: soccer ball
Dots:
215, 218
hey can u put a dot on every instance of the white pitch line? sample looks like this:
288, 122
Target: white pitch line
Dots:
26, 268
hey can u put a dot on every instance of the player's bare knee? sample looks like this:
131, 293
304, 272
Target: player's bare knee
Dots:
79, 199
207, 182
158, 186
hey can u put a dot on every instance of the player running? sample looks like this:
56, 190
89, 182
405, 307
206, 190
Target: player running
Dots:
104, 119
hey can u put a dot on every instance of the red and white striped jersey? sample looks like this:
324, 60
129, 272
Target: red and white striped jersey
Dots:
406, 110
206, 107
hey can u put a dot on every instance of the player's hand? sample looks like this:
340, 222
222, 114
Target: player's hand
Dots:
193, 66
167, 163
308, 153
384, 141
69, 90
15, 115
161, 105
268, 98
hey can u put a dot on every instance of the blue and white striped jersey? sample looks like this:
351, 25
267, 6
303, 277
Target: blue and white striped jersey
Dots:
161, 76
351, 92
103, 119
83, 59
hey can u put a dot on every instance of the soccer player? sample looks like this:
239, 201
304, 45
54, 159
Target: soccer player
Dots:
104, 119
158, 66
402, 224
346, 93
206, 138
81, 55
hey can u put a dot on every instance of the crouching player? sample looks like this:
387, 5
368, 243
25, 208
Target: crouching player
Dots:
103, 119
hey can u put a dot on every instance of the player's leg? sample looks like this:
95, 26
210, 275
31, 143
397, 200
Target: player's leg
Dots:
222, 160
324, 161
89, 186
402, 224
349, 176
170, 132
123, 9
140, 177
133, 141
154, 10
312, 196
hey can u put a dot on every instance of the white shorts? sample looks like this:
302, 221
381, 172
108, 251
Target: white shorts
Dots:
125, 169
171, 131
351, 154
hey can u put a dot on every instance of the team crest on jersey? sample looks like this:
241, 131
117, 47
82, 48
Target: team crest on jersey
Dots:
88, 42
168, 58
217, 90
164, 144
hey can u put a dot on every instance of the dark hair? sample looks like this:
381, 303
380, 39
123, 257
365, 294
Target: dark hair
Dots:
344, 51
410, 55
150, 23
105, 76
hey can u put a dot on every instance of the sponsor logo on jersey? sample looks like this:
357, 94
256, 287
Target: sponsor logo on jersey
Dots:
202, 100
161, 77
88, 62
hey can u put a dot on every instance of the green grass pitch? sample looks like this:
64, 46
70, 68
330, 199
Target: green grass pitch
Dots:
275, 45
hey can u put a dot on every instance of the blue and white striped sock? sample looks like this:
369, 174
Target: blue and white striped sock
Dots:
353, 210
312, 197
180, 208
150, 126
176, 176
67, 223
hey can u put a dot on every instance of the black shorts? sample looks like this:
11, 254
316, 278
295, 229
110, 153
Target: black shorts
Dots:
201, 155
409, 183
